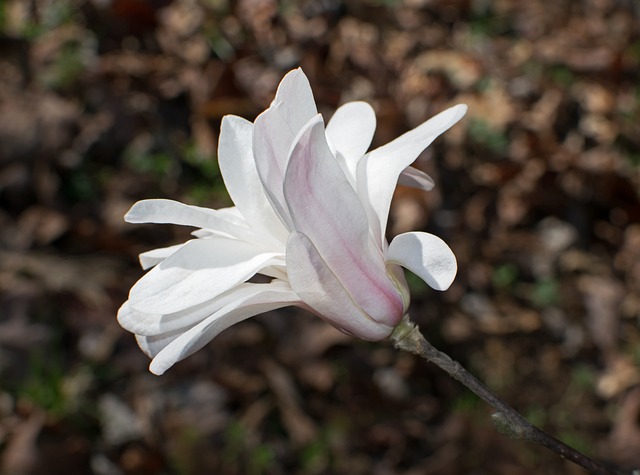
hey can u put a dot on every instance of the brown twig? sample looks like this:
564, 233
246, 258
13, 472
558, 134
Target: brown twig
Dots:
407, 337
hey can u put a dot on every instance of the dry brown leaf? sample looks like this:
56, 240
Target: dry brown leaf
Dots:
624, 440
621, 374
301, 428
21, 455
602, 297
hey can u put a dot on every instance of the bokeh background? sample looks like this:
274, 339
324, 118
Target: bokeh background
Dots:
105, 102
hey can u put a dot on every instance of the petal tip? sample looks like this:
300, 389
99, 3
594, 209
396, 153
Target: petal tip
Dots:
460, 110
157, 369
130, 216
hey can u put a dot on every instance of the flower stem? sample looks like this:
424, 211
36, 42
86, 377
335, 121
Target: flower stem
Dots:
508, 421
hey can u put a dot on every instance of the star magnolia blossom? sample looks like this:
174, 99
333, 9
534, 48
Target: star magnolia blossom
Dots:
311, 208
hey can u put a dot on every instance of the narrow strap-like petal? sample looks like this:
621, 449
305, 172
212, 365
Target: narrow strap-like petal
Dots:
198, 272
378, 171
163, 211
238, 169
325, 207
416, 179
350, 131
259, 298
425, 255
321, 290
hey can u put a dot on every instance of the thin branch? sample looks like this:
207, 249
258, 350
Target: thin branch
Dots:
407, 337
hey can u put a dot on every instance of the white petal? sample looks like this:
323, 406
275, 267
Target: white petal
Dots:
425, 255
325, 207
350, 131
272, 139
156, 256
152, 345
378, 171
321, 290
251, 301
153, 325
238, 168
274, 133
416, 179
203, 233
296, 97
168, 211
198, 272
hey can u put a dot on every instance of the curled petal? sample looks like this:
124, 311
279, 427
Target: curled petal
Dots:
425, 255
378, 171
325, 208
320, 289
168, 349
198, 272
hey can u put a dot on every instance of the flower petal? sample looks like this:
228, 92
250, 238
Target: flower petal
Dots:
416, 179
247, 302
295, 94
152, 345
198, 272
325, 207
238, 169
425, 255
320, 289
168, 211
274, 133
272, 139
350, 131
378, 171
153, 324
156, 256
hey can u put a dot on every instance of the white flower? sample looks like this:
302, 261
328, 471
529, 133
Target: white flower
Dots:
311, 209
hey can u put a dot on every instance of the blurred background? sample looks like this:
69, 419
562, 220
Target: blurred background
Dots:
105, 102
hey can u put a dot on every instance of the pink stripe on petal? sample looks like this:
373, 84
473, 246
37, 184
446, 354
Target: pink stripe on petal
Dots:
323, 292
325, 207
